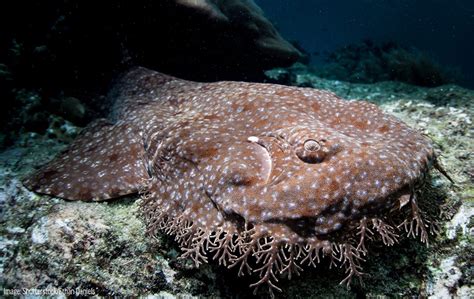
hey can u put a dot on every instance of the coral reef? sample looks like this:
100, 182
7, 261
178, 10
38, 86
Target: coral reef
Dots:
30, 112
369, 62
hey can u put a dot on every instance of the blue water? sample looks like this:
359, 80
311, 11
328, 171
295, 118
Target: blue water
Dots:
443, 29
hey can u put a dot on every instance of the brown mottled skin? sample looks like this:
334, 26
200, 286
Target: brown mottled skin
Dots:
233, 162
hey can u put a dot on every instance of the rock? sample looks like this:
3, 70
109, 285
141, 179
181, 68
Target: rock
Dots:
73, 109
67, 52
369, 62
81, 43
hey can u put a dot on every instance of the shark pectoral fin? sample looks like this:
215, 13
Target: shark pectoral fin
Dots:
105, 161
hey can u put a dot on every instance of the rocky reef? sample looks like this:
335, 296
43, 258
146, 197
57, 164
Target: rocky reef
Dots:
70, 51
369, 62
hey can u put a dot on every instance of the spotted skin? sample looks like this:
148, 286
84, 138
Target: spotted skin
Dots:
102, 163
296, 164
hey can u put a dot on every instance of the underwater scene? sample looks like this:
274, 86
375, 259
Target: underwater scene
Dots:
237, 149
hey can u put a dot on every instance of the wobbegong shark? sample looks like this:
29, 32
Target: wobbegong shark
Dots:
262, 177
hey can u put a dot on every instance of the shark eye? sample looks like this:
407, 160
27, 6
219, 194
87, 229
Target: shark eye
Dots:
311, 151
311, 145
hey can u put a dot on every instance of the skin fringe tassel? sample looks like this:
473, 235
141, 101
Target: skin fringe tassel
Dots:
267, 258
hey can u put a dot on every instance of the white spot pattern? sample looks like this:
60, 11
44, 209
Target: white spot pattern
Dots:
214, 150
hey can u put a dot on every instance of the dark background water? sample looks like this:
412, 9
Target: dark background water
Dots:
60, 57
440, 28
